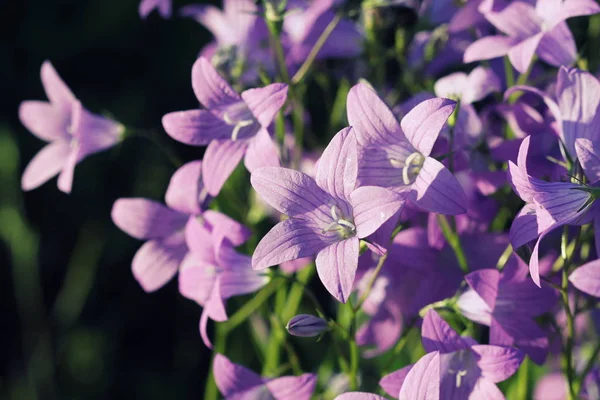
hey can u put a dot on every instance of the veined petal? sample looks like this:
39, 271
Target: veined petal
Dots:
48, 162
521, 54
186, 191
485, 282
423, 380
563, 10
200, 241
292, 192
497, 363
262, 152
223, 228
489, 47
524, 227
220, 159
45, 120
423, 123
517, 19
336, 266
67, 174
587, 278
93, 132
293, 387
473, 307
210, 88
485, 389
359, 396
288, 240
392, 382
437, 335
265, 102
372, 207
157, 261
521, 331
338, 166
557, 47
437, 190
57, 91
588, 155
196, 278
196, 127
146, 219
233, 379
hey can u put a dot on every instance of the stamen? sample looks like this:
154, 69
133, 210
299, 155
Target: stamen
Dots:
238, 127
334, 212
459, 376
347, 223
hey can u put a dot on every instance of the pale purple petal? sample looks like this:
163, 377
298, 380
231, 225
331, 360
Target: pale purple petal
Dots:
516, 329
359, 396
220, 159
587, 278
451, 86
233, 379
224, 227
212, 19
485, 389
210, 88
57, 91
338, 167
521, 54
557, 47
518, 19
65, 178
392, 383
551, 387
288, 240
265, 102
563, 10
238, 277
437, 190
262, 152
588, 155
158, 260
423, 380
186, 191
45, 120
437, 335
48, 162
147, 6
485, 283
488, 48
196, 127
196, 278
146, 219
480, 82
473, 307
336, 266
293, 387
497, 363
423, 124
372, 207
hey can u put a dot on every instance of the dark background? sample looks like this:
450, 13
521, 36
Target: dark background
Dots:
74, 320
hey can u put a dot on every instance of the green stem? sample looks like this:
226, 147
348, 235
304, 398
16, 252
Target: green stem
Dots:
523, 380
275, 36
296, 293
354, 355
568, 349
211, 392
454, 242
588, 367
508, 73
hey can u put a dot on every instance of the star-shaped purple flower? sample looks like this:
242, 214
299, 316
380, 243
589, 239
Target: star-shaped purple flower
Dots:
237, 382
231, 125
507, 302
397, 155
73, 132
328, 215
530, 30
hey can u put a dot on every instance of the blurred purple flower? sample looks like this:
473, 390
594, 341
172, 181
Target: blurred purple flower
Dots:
587, 278
73, 132
396, 155
164, 7
213, 271
359, 396
305, 325
455, 367
237, 382
507, 302
554, 386
327, 216
530, 30
231, 125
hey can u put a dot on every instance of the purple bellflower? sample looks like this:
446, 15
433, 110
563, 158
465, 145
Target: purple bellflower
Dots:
164, 7
73, 132
158, 260
237, 382
530, 30
396, 155
231, 125
587, 278
455, 367
213, 271
507, 302
328, 215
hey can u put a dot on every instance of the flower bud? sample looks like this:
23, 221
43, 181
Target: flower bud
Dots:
306, 325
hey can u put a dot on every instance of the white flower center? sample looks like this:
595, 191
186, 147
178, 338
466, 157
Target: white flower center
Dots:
341, 224
410, 167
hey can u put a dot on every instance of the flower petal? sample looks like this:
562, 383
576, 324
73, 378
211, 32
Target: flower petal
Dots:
524, 227
210, 88
233, 379
485, 389
212, 18
485, 282
338, 166
336, 266
437, 335
437, 190
57, 91
359, 396
588, 155
288, 240
195, 127
497, 363
423, 123
372, 207
293, 387
146, 219
488, 47
392, 383
423, 380
517, 19
587, 278
521, 54
557, 47
266, 102
45, 120
48, 162
480, 82
220, 159
562, 10
223, 227
262, 152
186, 191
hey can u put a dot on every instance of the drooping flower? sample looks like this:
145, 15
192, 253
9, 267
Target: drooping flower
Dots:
328, 215
455, 367
237, 382
587, 278
73, 132
164, 8
232, 125
530, 30
397, 155
213, 271
158, 260
507, 302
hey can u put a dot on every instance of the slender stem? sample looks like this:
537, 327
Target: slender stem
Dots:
365, 295
568, 349
275, 35
298, 122
250, 307
298, 76
454, 242
588, 367
211, 392
354, 355
522, 80
523, 380
157, 140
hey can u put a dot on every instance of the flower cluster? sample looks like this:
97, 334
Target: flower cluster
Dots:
433, 210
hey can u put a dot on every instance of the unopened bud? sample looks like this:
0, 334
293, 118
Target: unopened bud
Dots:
306, 325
